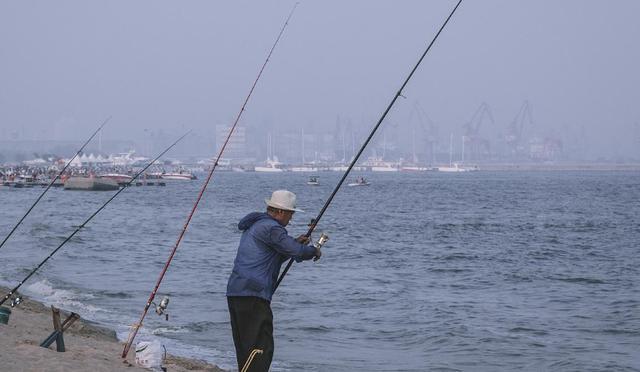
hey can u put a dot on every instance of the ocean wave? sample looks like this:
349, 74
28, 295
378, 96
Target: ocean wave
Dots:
537, 332
456, 256
38, 227
169, 330
115, 294
611, 331
203, 326
448, 270
63, 298
317, 329
581, 280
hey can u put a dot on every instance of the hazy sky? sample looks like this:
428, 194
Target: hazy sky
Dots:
169, 65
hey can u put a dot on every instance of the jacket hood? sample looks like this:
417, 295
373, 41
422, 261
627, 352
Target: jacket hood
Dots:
248, 220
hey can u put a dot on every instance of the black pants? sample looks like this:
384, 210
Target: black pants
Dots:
252, 327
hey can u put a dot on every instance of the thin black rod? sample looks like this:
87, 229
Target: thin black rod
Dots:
53, 181
313, 225
136, 327
8, 295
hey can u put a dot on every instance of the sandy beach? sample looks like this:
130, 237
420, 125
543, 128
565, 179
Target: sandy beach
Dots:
88, 346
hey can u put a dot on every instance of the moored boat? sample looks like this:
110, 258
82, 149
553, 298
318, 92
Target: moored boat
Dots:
411, 168
456, 168
313, 181
384, 168
90, 184
303, 168
360, 181
177, 176
271, 166
119, 178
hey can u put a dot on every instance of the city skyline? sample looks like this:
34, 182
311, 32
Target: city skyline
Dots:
418, 136
161, 69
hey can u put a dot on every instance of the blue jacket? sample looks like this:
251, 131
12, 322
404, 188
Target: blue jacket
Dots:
264, 247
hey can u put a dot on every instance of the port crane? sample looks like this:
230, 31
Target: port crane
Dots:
514, 137
429, 131
477, 145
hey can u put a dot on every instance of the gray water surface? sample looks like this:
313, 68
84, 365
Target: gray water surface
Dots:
490, 271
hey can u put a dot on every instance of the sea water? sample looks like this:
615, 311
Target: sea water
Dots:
485, 271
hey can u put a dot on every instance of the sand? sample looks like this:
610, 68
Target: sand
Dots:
89, 347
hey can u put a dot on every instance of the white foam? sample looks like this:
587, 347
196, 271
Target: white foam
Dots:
165, 330
66, 299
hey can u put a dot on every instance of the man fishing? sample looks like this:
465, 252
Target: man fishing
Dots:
264, 246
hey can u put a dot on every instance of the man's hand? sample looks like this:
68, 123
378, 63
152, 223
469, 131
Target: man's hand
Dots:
318, 254
303, 239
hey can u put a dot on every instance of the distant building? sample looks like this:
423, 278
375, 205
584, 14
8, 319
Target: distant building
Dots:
546, 149
237, 146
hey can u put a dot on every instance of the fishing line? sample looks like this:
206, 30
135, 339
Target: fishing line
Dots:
53, 181
136, 326
13, 291
315, 221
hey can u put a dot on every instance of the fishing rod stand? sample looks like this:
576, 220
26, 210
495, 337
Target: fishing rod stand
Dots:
162, 307
59, 329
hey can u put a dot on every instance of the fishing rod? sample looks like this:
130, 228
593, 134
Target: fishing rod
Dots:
13, 291
54, 180
315, 221
135, 327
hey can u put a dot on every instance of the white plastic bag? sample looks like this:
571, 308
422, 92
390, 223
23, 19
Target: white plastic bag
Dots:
150, 354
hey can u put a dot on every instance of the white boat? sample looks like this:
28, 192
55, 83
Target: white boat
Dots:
360, 181
384, 168
270, 166
376, 164
313, 181
455, 167
303, 168
343, 168
119, 178
410, 168
268, 169
152, 176
23, 180
177, 176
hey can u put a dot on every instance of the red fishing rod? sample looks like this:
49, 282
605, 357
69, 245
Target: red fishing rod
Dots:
53, 181
315, 221
136, 326
15, 289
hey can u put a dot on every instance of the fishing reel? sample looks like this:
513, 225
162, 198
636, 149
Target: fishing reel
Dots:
162, 307
16, 300
323, 239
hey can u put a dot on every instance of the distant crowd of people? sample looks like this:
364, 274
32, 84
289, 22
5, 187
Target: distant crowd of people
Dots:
40, 173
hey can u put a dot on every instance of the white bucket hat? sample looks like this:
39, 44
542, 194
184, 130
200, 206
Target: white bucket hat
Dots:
283, 199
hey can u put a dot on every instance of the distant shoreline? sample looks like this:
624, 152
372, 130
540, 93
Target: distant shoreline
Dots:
561, 167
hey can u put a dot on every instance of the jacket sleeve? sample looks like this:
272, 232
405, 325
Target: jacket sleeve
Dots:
288, 246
